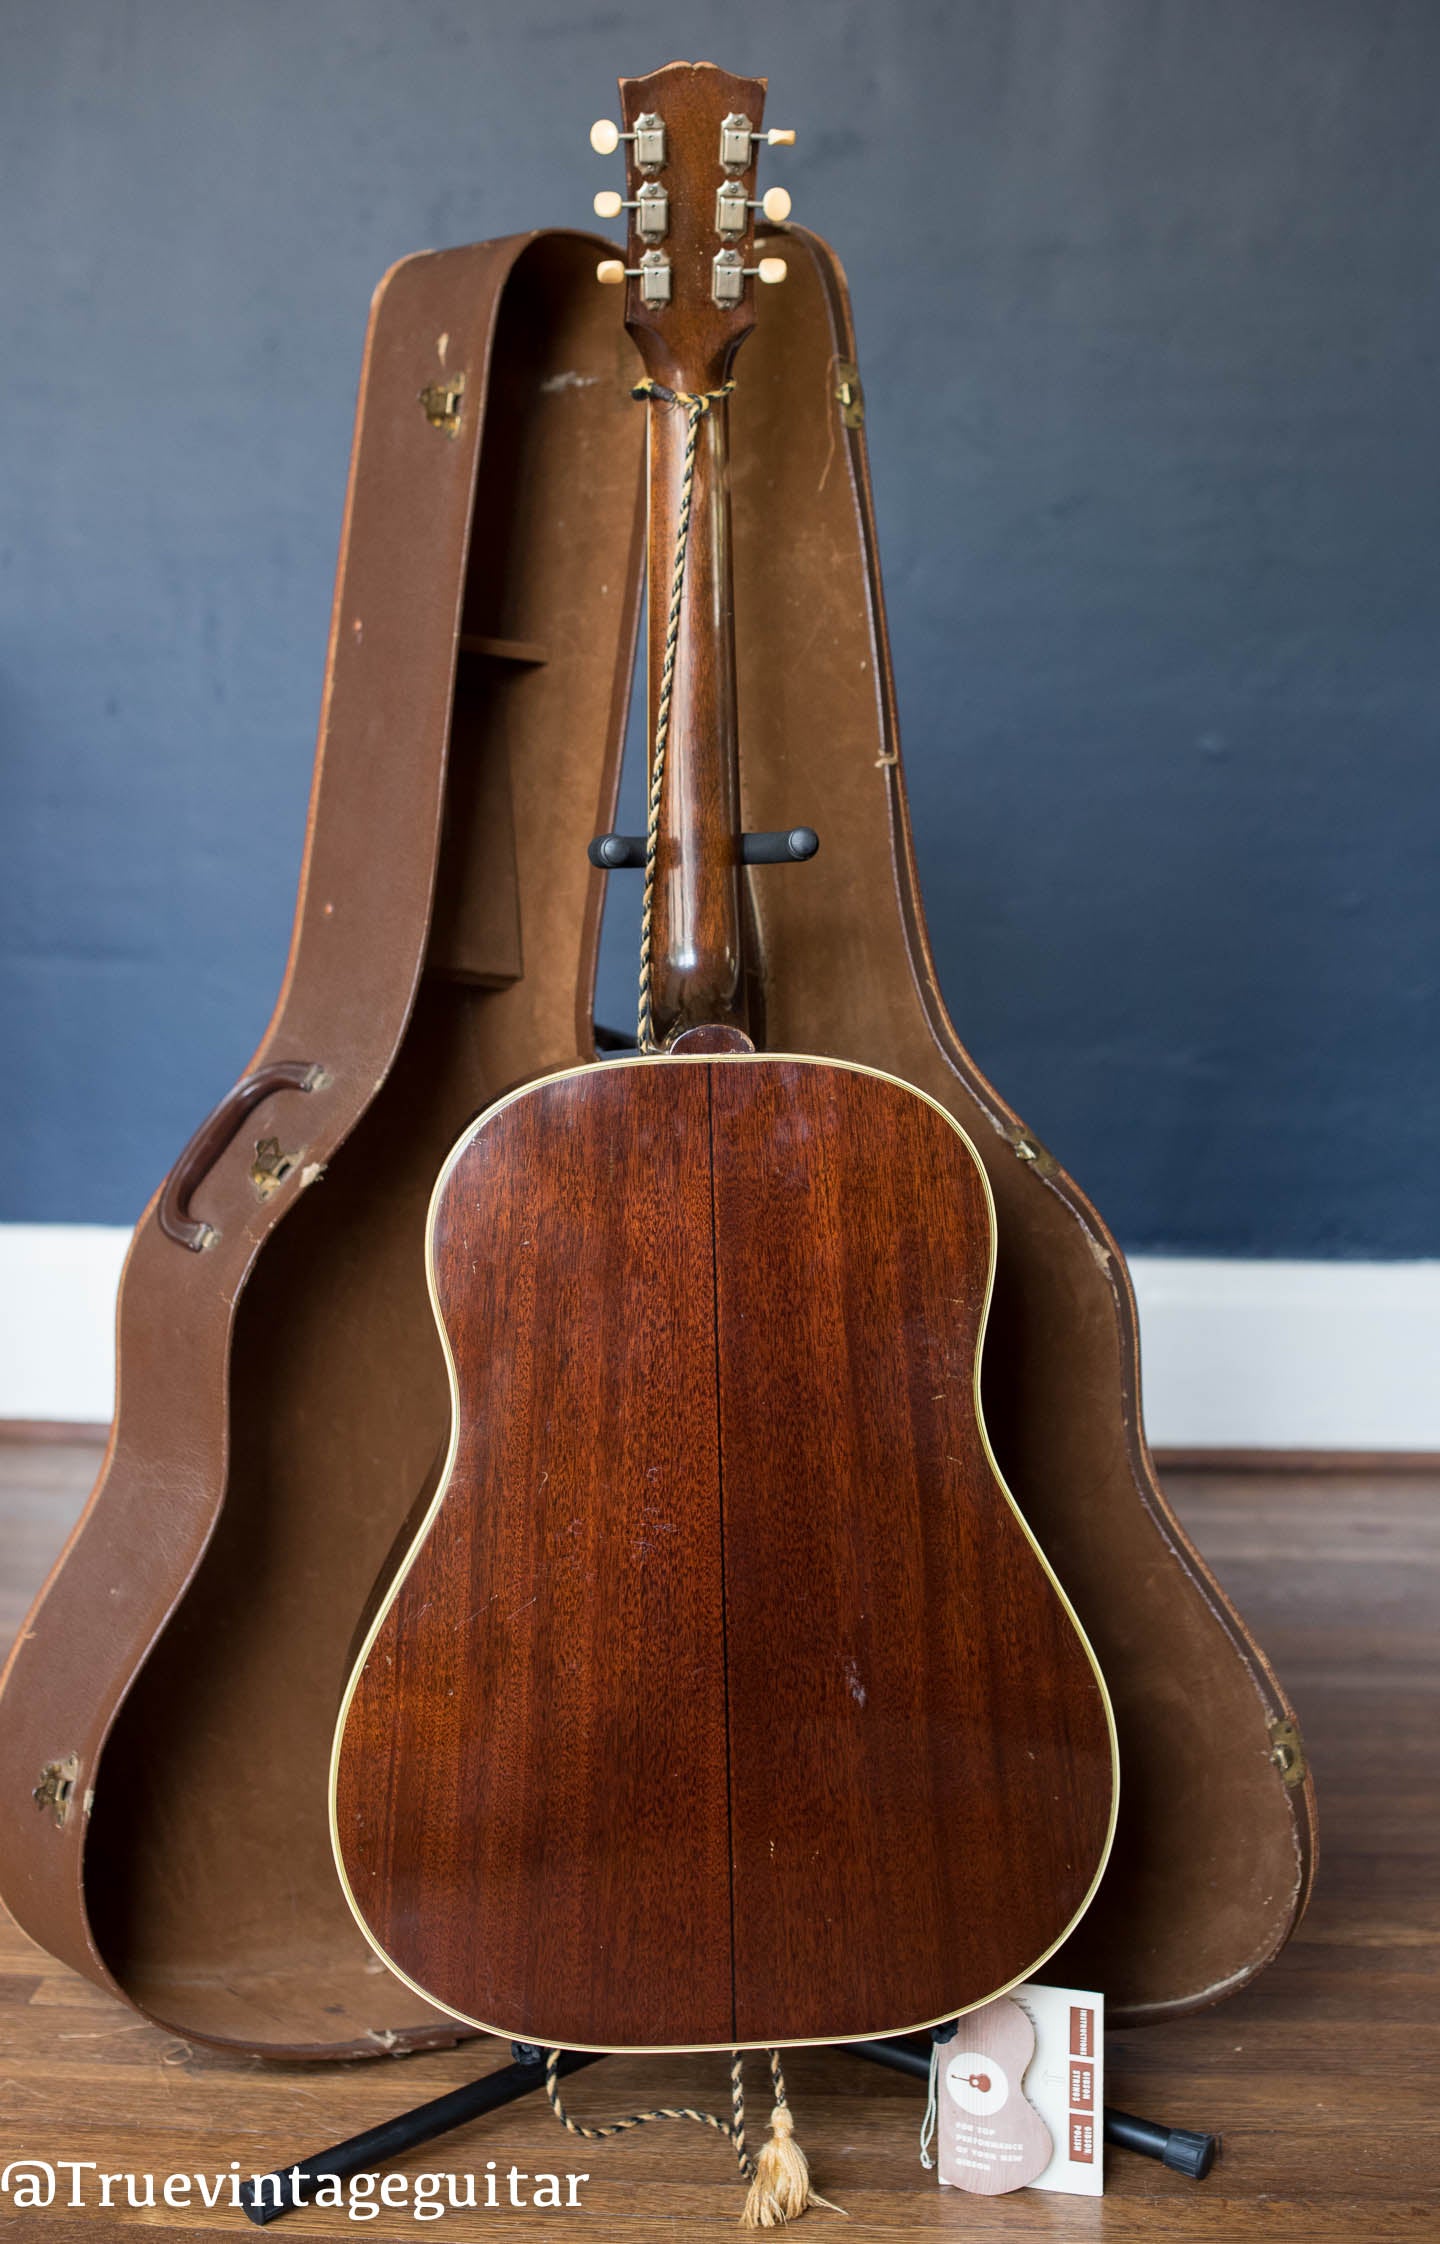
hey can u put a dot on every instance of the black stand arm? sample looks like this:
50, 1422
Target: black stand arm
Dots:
270, 2195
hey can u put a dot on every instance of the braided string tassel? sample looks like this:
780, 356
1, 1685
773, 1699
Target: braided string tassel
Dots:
697, 405
780, 2190
779, 2178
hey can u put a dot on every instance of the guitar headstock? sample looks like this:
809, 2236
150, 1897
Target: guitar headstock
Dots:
691, 135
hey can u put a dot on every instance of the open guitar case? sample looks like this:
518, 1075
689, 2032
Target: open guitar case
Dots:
166, 1717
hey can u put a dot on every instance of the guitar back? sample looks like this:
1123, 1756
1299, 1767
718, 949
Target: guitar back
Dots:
724, 1696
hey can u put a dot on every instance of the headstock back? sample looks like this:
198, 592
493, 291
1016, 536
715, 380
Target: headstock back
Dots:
691, 135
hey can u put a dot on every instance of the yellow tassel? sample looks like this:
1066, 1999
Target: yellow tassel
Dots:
781, 2189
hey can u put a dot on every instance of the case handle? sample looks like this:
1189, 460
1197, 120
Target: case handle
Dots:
211, 1139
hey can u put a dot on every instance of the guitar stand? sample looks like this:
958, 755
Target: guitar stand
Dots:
269, 2196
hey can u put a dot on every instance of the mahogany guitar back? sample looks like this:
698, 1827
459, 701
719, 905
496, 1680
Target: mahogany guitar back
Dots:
724, 1696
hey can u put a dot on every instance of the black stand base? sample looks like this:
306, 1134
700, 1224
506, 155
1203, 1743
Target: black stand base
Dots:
270, 2195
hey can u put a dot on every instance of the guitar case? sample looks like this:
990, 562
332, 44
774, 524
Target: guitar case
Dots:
282, 1406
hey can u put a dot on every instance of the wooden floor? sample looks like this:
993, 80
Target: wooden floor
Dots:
1324, 2079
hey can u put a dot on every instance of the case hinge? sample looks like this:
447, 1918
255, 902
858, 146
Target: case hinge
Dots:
443, 402
1287, 1751
849, 395
56, 1788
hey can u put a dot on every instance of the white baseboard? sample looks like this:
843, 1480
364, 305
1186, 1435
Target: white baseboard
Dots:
57, 1319
1235, 1355
1289, 1355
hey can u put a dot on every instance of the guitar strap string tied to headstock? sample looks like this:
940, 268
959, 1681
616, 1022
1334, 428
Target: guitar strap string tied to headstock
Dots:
779, 2176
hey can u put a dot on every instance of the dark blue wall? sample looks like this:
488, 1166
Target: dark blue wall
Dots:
1150, 323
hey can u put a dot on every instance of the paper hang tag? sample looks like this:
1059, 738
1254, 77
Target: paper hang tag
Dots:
991, 2136
1020, 2094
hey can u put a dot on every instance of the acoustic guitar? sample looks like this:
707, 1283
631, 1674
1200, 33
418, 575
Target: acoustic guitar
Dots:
723, 1696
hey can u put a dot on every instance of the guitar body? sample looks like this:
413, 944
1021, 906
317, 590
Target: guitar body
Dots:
723, 1696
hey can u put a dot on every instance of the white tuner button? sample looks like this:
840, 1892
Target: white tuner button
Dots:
780, 139
608, 204
610, 271
604, 137
776, 205
771, 270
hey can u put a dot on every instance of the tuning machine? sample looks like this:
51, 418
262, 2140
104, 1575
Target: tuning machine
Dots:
733, 207
652, 272
651, 207
738, 137
648, 136
730, 272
